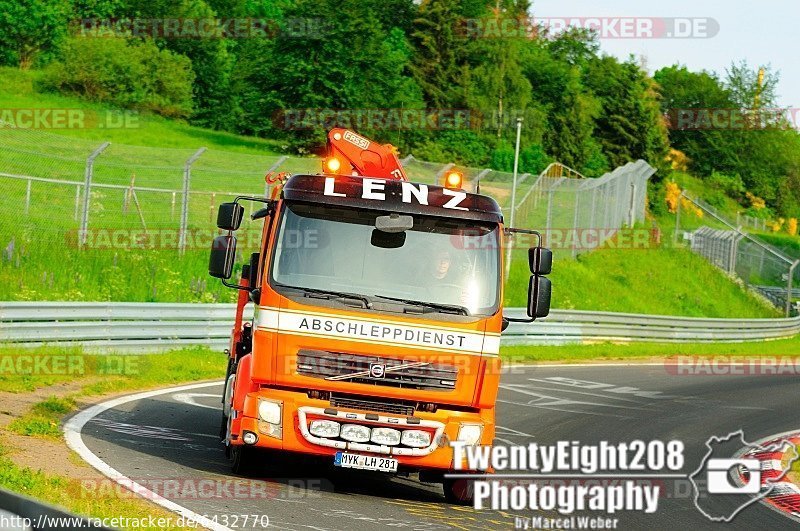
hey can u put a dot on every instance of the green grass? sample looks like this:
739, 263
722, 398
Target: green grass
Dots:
101, 374
787, 243
62, 491
110, 372
665, 281
43, 419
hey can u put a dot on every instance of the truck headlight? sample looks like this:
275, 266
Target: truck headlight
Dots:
387, 436
324, 428
269, 411
354, 433
470, 433
416, 438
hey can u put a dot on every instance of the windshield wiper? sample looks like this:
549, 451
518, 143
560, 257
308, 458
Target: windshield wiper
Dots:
443, 308
332, 294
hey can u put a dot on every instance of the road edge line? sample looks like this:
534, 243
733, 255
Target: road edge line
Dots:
72, 434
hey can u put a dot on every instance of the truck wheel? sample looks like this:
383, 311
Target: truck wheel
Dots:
242, 461
459, 491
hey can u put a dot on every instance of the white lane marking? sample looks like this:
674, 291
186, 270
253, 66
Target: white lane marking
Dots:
189, 398
151, 432
551, 400
549, 406
512, 431
72, 433
501, 430
603, 387
540, 388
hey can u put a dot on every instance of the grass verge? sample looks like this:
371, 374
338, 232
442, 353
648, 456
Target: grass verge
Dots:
665, 281
86, 375
61, 491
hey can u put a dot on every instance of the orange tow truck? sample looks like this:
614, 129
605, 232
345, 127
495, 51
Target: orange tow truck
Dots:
378, 312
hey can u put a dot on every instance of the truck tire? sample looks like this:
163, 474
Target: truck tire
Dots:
242, 461
459, 491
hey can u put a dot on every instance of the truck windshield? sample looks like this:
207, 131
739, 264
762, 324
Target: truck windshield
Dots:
441, 265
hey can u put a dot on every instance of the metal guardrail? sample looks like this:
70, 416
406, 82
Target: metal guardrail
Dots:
158, 326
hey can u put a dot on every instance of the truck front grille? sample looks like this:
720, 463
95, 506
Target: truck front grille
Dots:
403, 373
394, 408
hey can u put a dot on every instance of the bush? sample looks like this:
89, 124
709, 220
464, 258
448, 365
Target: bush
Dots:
533, 159
133, 75
465, 148
732, 185
717, 199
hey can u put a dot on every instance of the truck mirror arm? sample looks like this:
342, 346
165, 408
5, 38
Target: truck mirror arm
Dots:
508, 231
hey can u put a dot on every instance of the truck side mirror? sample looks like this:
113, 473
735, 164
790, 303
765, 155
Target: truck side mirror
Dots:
223, 253
229, 216
539, 293
540, 260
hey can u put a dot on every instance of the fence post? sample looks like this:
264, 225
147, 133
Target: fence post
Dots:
677, 221
575, 224
187, 175
732, 259
272, 169
789, 288
87, 190
77, 205
28, 197
632, 211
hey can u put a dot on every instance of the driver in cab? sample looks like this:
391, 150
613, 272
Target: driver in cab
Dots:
448, 283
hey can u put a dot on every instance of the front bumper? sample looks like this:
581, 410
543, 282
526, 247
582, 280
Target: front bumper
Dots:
297, 410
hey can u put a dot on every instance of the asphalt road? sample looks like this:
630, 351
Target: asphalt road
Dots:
174, 436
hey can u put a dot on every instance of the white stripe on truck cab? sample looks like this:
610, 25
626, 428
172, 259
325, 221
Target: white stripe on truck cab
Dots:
392, 333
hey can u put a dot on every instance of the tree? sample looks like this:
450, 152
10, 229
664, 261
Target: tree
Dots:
439, 55
630, 125
212, 61
498, 87
358, 65
557, 84
746, 91
31, 28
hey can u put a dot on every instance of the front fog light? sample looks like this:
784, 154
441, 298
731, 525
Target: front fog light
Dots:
249, 437
354, 433
387, 436
324, 428
416, 438
470, 433
269, 411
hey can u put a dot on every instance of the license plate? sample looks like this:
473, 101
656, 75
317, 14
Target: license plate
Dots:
365, 462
